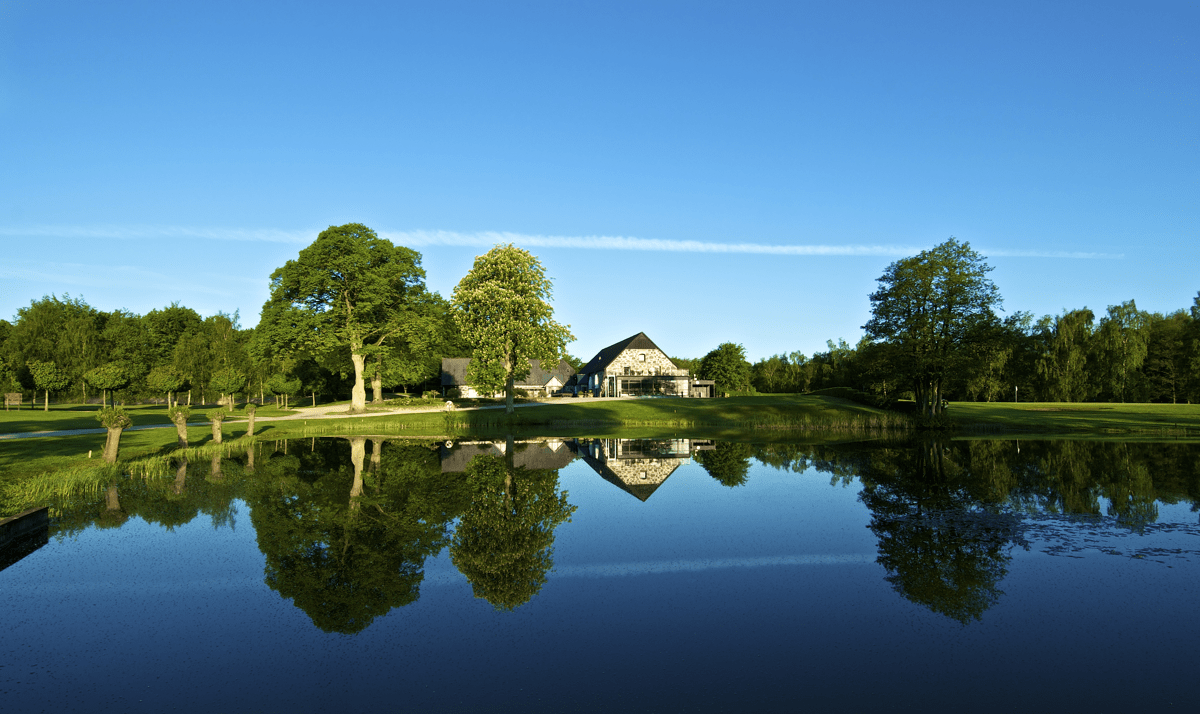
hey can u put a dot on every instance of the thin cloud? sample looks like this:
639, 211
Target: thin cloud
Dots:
489, 238
257, 235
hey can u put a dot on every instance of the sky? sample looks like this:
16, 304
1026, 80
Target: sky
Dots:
701, 172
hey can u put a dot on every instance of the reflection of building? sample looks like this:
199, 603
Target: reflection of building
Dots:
539, 382
552, 455
637, 367
638, 466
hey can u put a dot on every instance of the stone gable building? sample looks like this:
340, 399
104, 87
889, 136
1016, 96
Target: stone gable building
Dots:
637, 367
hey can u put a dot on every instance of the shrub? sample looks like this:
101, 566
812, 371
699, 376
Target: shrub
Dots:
431, 394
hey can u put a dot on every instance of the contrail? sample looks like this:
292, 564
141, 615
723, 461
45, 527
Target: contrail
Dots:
485, 239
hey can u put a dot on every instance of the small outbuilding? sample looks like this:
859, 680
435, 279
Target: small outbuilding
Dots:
539, 381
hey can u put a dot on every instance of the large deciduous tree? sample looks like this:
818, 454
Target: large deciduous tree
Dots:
727, 366
933, 308
346, 290
502, 307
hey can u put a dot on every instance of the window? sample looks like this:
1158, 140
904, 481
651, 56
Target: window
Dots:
642, 357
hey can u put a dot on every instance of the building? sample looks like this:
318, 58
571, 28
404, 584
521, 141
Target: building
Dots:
539, 382
636, 367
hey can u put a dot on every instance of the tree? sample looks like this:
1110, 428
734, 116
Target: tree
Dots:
347, 289
228, 381
106, 377
503, 308
179, 416
282, 385
48, 377
727, 366
931, 308
115, 420
1122, 339
165, 379
1065, 343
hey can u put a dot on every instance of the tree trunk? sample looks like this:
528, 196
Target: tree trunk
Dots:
357, 452
46, 404
376, 455
180, 477
181, 430
377, 382
358, 396
112, 445
216, 430
250, 425
509, 388
189, 397
250, 459
215, 468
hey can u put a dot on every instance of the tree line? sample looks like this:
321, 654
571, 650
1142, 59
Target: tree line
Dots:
935, 334
352, 308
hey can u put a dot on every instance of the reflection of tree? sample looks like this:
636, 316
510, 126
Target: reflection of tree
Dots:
728, 463
348, 545
504, 543
942, 547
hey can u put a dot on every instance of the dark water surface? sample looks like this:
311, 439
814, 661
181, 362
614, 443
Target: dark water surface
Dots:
598, 575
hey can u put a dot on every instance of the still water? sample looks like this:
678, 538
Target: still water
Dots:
608, 574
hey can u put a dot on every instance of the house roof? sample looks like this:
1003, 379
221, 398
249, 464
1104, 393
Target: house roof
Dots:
454, 372
608, 354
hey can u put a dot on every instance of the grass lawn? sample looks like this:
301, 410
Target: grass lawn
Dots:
1060, 418
81, 416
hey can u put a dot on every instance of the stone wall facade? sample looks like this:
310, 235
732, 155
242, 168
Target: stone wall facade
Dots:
643, 362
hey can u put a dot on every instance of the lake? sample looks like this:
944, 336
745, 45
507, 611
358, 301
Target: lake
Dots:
570, 574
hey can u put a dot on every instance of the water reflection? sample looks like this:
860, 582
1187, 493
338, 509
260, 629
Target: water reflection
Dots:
637, 466
347, 525
504, 542
346, 542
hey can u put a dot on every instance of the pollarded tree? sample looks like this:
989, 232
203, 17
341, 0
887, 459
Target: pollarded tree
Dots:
108, 377
932, 308
348, 289
115, 420
502, 307
48, 377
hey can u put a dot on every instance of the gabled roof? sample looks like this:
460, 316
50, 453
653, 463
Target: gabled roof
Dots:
454, 372
539, 455
608, 354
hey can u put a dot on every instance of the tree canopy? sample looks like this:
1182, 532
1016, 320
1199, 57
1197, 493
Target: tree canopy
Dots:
931, 310
727, 366
502, 307
346, 290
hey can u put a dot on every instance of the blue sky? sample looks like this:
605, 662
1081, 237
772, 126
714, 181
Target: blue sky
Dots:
703, 172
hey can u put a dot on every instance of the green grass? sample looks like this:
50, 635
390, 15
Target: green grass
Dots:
82, 416
1098, 419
